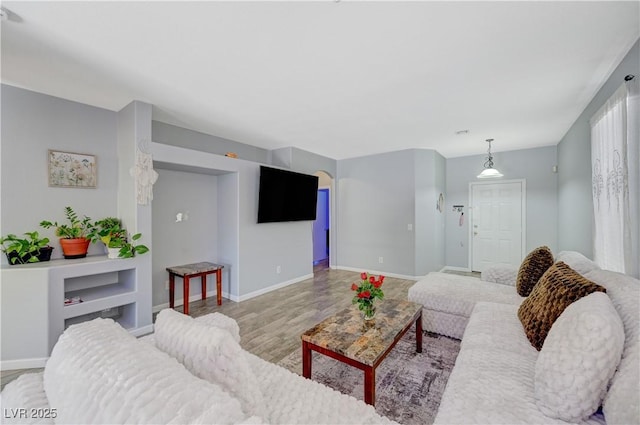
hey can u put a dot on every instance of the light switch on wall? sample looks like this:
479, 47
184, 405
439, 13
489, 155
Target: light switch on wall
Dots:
410, 227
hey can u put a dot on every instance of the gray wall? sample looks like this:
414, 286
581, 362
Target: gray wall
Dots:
134, 126
533, 165
32, 123
575, 202
252, 251
189, 241
430, 169
438, 259
378, 197
228, 231
308, 162
172, 135
375, 196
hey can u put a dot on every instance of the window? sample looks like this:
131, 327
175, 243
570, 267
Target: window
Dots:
615, 180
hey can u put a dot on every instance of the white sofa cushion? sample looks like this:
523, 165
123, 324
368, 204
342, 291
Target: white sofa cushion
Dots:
210, 353
99, 373
221, 321
458, 295
448, 300
578, 358
26, 392
493, 379
577, 261
292, 399
622, 402
503, 273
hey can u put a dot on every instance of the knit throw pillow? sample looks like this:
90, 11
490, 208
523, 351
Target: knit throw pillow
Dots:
558, 287
532, 269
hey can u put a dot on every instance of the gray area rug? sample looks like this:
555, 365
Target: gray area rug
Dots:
409, 385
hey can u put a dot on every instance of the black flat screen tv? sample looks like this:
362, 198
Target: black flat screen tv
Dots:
286, 196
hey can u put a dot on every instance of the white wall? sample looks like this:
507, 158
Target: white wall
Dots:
190, 241
32, 123
533, 165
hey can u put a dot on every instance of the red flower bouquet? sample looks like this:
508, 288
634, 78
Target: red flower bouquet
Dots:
366, 292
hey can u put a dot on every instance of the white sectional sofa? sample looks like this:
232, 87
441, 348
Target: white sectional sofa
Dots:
499, 376
99, 373
194, 371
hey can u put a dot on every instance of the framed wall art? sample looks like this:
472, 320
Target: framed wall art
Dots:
67, 169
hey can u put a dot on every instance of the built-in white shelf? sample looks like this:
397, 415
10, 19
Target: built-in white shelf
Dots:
124, 315
34, 314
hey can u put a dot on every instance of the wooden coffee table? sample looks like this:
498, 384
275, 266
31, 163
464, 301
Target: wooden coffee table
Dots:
347, 337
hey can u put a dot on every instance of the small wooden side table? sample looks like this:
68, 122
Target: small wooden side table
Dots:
186, 272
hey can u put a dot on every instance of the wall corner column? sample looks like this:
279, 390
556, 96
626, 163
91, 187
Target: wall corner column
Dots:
134, 128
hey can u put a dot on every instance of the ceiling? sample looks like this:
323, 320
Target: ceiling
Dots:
341, 79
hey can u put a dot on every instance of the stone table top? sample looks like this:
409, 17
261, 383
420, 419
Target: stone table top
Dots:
194, 268
365, 341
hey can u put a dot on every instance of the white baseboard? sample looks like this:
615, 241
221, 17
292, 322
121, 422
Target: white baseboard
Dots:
236, 298
378, 272
270, 288
192, 298
456, 269
141, 331
23, 363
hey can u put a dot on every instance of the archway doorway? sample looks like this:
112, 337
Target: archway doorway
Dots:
322, 224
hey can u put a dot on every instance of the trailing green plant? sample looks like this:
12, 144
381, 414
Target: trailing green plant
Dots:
109, 231
76, 228
129, 249
22, 251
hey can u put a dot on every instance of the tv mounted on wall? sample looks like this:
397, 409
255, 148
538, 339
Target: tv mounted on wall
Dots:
286, 196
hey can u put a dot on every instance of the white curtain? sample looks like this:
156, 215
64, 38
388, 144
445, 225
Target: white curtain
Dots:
615, 165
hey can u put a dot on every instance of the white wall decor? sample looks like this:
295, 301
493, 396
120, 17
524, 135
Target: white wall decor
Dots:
145, 177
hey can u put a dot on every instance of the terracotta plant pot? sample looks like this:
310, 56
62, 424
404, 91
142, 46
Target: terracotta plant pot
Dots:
74, 248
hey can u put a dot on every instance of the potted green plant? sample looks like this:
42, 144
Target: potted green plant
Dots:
74, 239
31, 249
130, 249
110, 231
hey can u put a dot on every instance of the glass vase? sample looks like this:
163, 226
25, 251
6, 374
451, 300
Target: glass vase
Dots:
369, 311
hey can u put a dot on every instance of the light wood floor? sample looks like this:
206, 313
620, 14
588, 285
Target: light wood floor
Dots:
271, 324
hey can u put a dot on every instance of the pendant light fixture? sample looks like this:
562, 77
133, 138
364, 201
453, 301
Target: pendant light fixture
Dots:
489, 171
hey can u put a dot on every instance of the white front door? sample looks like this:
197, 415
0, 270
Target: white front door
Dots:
497, 224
